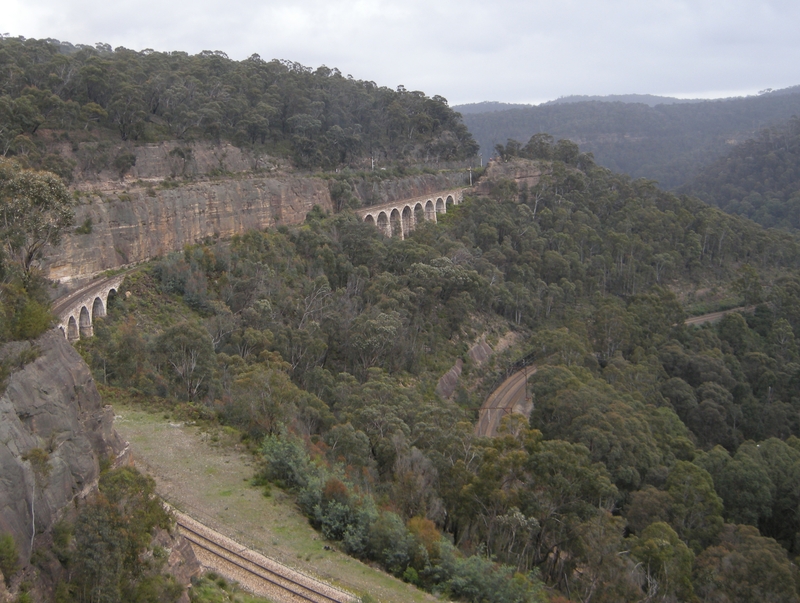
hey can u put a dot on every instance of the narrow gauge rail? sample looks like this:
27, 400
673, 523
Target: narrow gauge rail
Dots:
293, 588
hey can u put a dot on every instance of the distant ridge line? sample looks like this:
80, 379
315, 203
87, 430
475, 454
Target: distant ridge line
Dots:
651, 100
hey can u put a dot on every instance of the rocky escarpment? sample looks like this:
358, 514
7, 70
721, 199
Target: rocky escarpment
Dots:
479, 353
50, 405
126, 226
522, 171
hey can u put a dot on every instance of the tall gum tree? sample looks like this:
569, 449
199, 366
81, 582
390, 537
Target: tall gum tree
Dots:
35, 209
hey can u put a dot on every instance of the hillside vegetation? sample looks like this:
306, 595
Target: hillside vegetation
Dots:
759, 179
638, 472
660, 462
53, 92
666, 142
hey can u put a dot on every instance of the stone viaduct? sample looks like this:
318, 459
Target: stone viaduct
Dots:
400, 217
76, 312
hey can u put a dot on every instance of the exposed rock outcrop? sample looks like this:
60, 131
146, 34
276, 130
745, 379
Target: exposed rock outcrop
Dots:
51, 404
132, 226
478, 354
448, 382
5, 596
524, 172
181, 563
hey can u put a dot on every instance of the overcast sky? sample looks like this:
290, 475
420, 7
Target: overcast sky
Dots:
523, 51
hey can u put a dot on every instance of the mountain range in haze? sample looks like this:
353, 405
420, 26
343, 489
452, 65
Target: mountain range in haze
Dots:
661, 138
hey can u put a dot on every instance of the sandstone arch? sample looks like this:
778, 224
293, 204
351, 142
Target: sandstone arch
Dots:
78, 310
85, 323
430, 211
383, 224
396, 223
72, 329
401, 217
408, 221
98, 308
419, 213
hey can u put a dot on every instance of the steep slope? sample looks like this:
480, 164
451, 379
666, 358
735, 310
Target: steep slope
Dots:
50, 405
759, 179
127, 222
315, 117
325, 342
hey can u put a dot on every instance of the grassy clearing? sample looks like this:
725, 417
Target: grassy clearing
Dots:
214, 589
204, 471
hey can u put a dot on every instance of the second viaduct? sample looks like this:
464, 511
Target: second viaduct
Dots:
399, 218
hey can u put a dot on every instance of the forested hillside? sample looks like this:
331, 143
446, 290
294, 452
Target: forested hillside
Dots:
668, 143
661, 462
759, 179
650, 100
659, 459
53, 91
647, 99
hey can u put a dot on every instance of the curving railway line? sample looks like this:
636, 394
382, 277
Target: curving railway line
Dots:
511, 396
254, 572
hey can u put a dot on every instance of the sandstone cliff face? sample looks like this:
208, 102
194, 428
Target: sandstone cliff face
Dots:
52, 404
131, 226
522, 171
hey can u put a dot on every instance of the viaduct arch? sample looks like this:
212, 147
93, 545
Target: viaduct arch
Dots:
399, 218
76, 312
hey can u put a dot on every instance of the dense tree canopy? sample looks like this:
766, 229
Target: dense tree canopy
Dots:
758, 179
668, 143
318, 117
324, 343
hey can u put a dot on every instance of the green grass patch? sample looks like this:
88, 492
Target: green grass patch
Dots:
196, 476
211, 588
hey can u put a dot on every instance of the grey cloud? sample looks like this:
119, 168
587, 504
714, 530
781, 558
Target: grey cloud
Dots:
508, 50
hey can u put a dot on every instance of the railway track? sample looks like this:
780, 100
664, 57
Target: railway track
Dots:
510, 396
254, 572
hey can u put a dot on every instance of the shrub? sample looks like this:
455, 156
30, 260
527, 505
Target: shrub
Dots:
123, 162
9, 557
288, 463
390, 543
85, 228
33, 320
